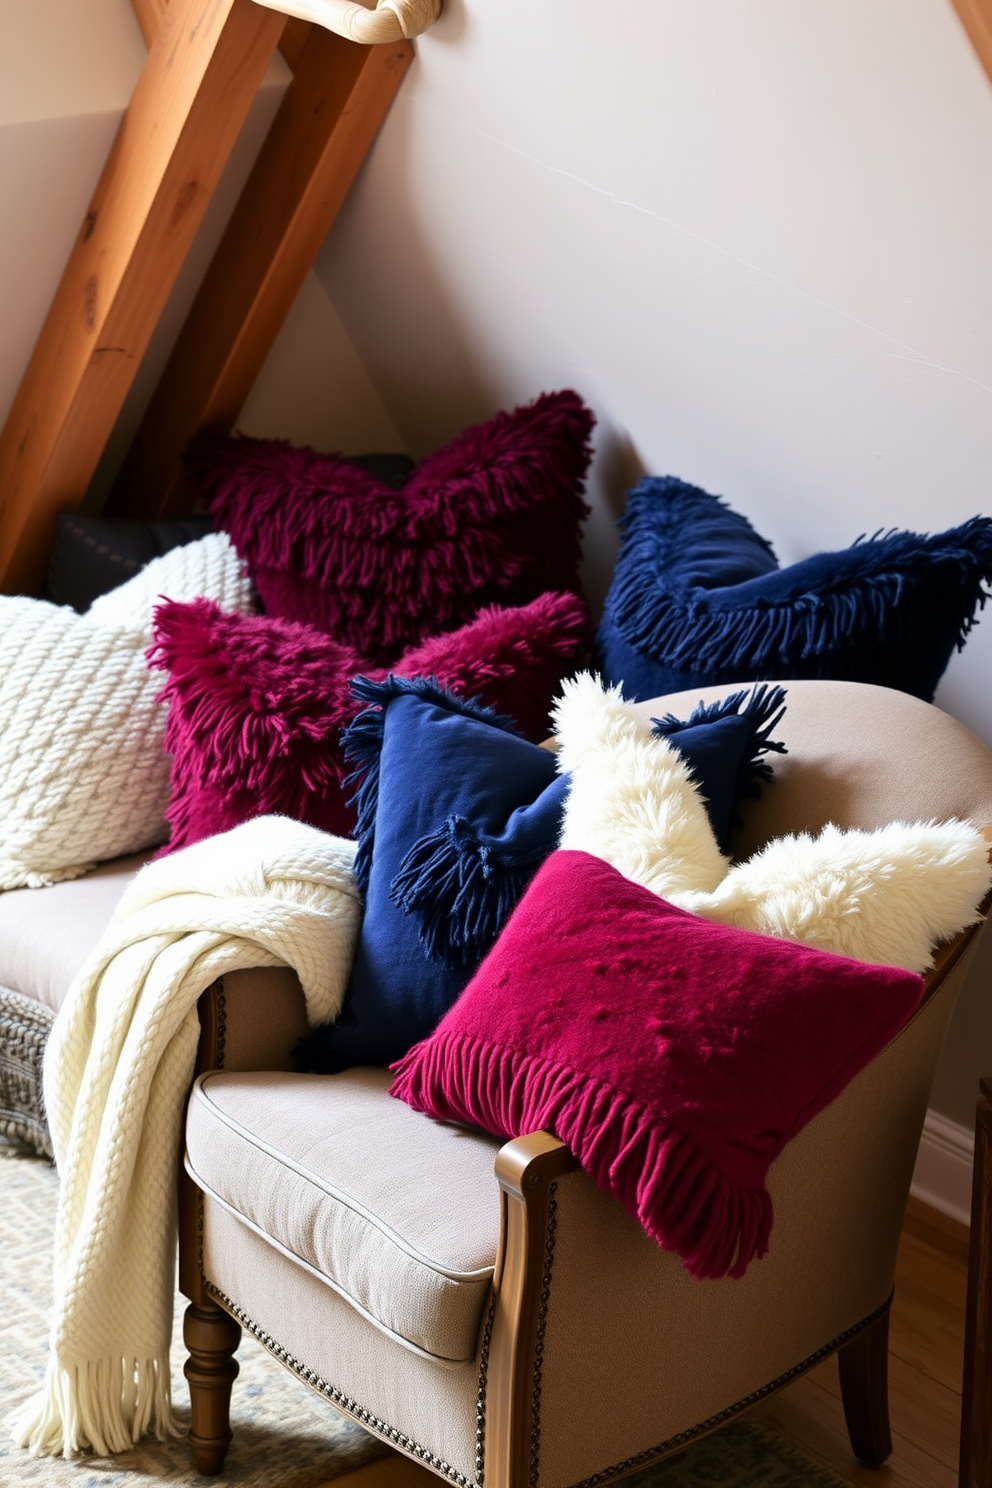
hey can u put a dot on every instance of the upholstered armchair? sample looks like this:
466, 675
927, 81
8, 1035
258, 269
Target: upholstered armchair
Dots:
484, 1307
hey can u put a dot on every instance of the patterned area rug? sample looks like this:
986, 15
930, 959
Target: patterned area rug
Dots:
284, 1435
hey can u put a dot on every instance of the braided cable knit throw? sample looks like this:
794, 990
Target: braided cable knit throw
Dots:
117, 1069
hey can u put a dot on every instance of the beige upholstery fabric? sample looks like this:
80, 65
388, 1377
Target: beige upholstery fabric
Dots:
427, 1407
263, 1016
858, 756
399, 1213
46, 934
619, 1309
830, 1265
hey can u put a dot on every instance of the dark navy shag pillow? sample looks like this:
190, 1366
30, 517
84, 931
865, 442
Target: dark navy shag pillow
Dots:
698, 598
456, 813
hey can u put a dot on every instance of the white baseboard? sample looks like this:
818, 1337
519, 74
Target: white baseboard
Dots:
942, 1176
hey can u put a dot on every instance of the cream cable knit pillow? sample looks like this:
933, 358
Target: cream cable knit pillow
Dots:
888, 896
83, 773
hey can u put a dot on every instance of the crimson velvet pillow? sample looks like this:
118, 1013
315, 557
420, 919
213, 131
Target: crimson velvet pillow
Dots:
493, 518
674, 1056
257, 706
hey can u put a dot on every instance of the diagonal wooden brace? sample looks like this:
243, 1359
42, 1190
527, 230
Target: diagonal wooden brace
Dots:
330, 115
204, 68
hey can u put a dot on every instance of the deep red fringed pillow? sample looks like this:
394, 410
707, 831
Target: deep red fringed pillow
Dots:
493, 518
674, 1056
257, 706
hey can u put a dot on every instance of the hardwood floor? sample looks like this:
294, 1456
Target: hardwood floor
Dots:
926, 1346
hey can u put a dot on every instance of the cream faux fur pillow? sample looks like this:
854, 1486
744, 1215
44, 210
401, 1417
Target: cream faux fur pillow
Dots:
887, 896
83, 774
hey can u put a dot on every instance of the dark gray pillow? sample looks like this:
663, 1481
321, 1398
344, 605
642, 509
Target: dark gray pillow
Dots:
92, 555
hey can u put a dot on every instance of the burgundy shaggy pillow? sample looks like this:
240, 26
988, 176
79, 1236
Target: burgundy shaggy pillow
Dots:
675, 1057
257, 706
493, 518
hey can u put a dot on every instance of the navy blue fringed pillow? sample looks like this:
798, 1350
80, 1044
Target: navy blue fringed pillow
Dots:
456, 813
698, 598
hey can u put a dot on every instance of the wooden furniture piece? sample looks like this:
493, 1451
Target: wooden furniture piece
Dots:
206, 60
313, 1206
975, 1469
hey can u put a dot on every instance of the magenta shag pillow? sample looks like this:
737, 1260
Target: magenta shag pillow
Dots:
257, 706
674, 1056
493, 518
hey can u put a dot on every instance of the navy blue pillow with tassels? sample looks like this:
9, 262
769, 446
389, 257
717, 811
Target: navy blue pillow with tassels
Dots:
698, 599
456, 813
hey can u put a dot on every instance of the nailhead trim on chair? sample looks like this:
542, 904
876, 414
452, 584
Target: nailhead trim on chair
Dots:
630, 1464
336, 1396
684, 1438
542, 1326
221, 1005
480, 1410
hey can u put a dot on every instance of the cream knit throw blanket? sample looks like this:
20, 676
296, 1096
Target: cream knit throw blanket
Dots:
117, 1069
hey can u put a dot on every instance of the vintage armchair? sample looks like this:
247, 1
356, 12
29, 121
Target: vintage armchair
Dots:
486, 1309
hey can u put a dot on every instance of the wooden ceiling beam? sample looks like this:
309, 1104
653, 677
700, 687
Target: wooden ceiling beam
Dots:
150, 14
325, 126
202, 72
976, 17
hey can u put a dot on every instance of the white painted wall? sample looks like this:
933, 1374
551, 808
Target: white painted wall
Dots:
755, 235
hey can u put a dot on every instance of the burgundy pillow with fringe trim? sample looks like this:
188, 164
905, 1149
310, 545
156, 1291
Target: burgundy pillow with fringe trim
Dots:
674, 1056
493, 518
258, 706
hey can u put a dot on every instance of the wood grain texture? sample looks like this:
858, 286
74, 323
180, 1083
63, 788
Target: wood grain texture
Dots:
325, 126
202, 73
150, 14
976, 17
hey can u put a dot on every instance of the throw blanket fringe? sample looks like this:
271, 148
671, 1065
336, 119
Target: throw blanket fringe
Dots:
660, 1177
118, 1066
106, 1404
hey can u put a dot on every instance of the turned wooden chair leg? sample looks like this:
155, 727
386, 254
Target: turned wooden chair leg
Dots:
212, 1336
864, 1388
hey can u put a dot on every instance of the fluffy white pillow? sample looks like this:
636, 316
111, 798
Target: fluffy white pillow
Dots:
887, 896
83, 773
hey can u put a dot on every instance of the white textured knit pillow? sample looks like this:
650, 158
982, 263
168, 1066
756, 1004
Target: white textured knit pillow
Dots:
83, 773
887, 896
209, 567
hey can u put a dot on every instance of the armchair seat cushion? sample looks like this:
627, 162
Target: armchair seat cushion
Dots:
47, 934
396, 1213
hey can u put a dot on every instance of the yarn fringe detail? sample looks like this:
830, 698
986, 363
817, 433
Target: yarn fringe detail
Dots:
717, 1227
462, 888
362, 746
105, 1404
763, 713
792, 615
422, 558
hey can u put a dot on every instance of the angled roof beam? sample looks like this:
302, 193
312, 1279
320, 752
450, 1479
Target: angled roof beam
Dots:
203, 70
976, 17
